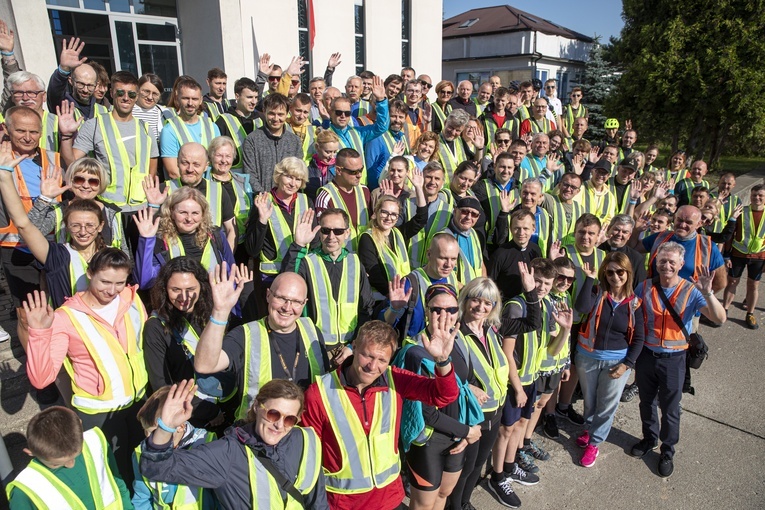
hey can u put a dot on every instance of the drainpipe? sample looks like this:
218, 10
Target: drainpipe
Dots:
537, 56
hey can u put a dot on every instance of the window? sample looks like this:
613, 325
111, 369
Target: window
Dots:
165, 8
359, 30
469, 23
406, 30
304, 42
541, 75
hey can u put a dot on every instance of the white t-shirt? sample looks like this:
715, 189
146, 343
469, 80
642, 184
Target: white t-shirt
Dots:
109, 312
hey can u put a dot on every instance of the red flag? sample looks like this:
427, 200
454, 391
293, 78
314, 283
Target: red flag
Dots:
311, 25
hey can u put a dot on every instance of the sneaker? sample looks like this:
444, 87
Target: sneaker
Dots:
643, 447
551, 426
589, 456
666, 466
583, 440
4, 335
526, 462
570, 414
703, 320
751, 321
504, 492
523, 477
536, 451
630, 392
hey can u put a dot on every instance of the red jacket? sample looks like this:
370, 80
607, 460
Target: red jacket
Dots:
439, 392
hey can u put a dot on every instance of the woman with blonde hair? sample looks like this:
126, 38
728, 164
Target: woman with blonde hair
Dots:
321, 169
383, 246
221, 154
183, 227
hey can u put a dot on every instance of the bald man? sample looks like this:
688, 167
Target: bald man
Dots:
282, 345
74, 81
463, 99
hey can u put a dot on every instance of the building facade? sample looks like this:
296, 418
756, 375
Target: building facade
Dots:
514, 45
173, 37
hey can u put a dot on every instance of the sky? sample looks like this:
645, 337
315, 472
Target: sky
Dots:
589, 17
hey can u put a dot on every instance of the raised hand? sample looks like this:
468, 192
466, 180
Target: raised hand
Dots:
39, 313
636, 190
589, 271
264, 64
7, 157
296, 66
378, 89
427, 112
507, 201
722, 195
6, 38
553, 162
70, 54
442, 335
399, 148
603, 236
243, 275
564, 315
594, 154
737, 211
50, 184
67, 124
417, 178
265, 206
334, 60
555, 250
146, 223
151, 189
322, 110
225, 291
704, 280
527, 138
641, 222
305, 232
661, 190
177, 407
577, 162
388, 188
628, 124
398, 297
527, 277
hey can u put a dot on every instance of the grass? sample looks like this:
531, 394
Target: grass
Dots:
739, 165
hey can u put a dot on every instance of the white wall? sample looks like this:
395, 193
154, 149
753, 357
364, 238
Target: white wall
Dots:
563, 47
34, 41
334, 33
383, 36
426, 39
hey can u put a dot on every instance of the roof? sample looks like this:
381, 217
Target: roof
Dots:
503, 18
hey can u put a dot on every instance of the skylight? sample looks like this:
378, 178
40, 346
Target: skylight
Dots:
469, 23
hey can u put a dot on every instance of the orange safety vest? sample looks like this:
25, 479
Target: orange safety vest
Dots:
9, 235
702, 255
661, 329
590, 330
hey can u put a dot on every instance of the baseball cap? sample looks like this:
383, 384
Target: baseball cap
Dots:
469, 202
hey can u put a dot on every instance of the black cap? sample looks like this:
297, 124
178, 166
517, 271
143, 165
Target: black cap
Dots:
469, 202
602, 164
537, 83
630, 162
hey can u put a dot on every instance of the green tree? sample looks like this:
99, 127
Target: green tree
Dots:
693, 74
599, 80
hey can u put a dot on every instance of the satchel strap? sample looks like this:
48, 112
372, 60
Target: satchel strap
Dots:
671, 309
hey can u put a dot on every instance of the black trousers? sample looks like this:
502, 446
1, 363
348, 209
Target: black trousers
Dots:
476, 456
660, 381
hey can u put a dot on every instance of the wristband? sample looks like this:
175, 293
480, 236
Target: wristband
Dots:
349, 346
153, 206
164, 426
444, 363
217, 322
709, 294
65, 73
45, 199
6, 168
6, 53
396, 310
633, 202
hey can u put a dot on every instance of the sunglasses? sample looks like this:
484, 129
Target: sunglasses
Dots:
425, 84
618, 272
132, 94
274, 416
350, 172
295, 82
446, 92
79, 180
449, 309
342, 113
471, 212
274, 78
503, 141
567, 279
337, 231
549, 87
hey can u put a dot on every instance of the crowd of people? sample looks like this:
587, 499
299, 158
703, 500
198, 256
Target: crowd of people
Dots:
338, 298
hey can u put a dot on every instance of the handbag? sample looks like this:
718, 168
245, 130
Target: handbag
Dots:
698, 350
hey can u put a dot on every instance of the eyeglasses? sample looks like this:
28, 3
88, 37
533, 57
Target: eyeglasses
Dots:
274, 416
448, 309
32, 94
342, 113
470, 212
274, 78
79, 180
337, 231
568, 186
87, 227
618, 272
88, 86
503, 141
446, 93
132, 94
550, 87
388, 214
576, 95
147, 94
349, 171
425, 84
567, 279
295, 82
278, 300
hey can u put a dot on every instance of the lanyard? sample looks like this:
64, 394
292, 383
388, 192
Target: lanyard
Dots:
281, 360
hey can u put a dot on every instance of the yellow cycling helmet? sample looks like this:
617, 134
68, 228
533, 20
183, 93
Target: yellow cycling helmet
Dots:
611, 124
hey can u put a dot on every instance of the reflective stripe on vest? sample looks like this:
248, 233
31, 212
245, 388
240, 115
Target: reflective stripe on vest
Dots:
589, 332
307, 141
390, 142
603, 206
213, 194
209, 258
124, 373
492, 373
49, 136
395, 261
450, 160
441, 113
690, 185
423, 280
702, 253
48, 492
535, 171
752, 239
238, 134
78, 271
362, 212
569, 115
528, 367
495, 206
437, 221
467, 272
661, 330
336, 318
257, 368
98, 108
546, 126
563, 230
125, 187
491, 127
243, 203
281, 231
621, 206
576, 258
184, 136
726, 211
559, 361
265, 490
9, 235
367, 461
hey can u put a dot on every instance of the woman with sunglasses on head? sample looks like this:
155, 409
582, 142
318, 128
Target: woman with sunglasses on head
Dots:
441, 106
435, 439
268, 462
87, 178
610, 340
383, 246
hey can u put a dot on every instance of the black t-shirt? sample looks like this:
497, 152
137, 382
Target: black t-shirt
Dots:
503, 267
188, 241
226, 205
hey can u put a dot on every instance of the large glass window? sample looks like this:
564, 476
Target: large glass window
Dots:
406, 30
304, 42
360, 30
166, 8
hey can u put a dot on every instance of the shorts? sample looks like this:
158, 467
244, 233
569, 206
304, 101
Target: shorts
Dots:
754, 268
548, 382
21, 272
511, 413
428, 463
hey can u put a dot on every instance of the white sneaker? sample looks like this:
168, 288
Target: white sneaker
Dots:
4, 335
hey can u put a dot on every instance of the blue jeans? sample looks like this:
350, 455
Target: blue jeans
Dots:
601, 395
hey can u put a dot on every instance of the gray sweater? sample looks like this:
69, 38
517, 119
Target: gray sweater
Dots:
261, 151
